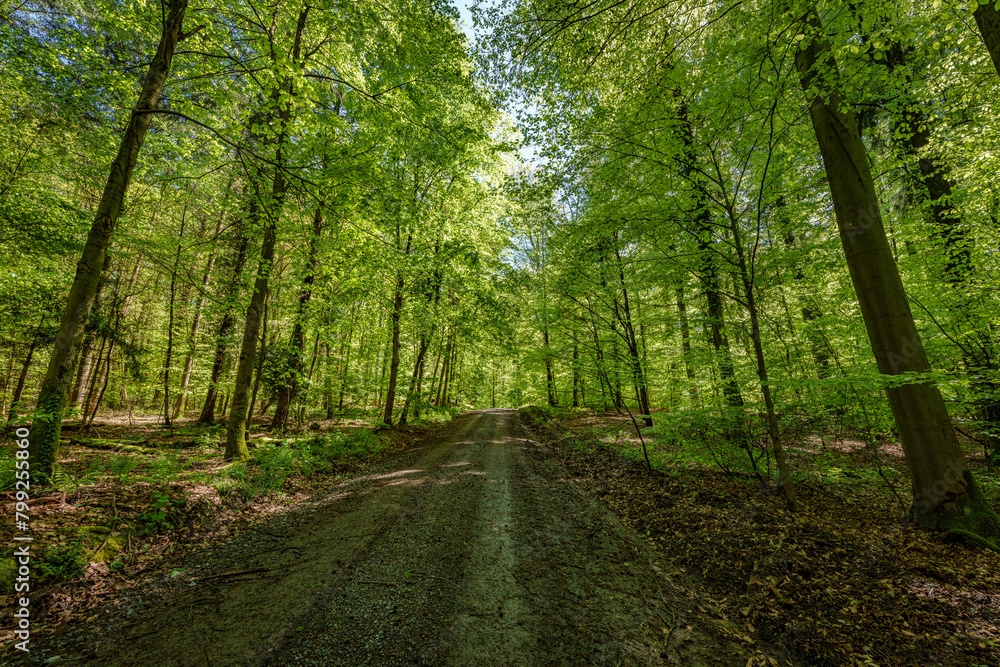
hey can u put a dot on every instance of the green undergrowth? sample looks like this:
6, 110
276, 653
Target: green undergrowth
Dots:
274, 461
696, 439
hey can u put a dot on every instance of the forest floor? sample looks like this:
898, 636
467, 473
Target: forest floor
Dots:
845, 581
467, 546
484, 542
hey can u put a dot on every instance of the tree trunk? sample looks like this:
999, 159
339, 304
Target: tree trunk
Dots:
397, 309
549, 378
192, 345
226, 324
83, 375
777, 450
262, 351
945, 494
426, 336
988, 20
289, 388
236, 446
22, 377
56, 386
444, 368
95, 376
106, 375
624, 317
686, 346
347, 362
576, 377
327, 381
170, 325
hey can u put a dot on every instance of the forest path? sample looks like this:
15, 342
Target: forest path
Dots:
470, 548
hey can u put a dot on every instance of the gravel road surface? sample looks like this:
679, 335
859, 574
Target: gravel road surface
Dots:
470, 548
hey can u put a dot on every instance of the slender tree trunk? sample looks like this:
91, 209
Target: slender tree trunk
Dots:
192, 345
236, 446
686, 346
945, 494
83, 376
397, 309
444, 369
22, 377
576, 377
345, 366
426, 336
290, 387
777, 450
397, 312
226, 325
327, 381
56, 386
262, 351
105, 376
625, 319
95, 375
170, 325
549, 378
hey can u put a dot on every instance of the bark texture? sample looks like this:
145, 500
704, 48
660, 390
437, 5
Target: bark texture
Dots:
945, 495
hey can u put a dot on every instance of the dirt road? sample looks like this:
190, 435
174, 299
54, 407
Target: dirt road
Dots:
470, 549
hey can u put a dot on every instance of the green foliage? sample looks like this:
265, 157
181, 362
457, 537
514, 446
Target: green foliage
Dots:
60, 563
7, 469
164, 513
273, 461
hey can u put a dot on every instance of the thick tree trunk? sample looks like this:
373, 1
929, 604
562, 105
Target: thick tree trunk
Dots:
56, 386
945, 494
988, 20
236, 425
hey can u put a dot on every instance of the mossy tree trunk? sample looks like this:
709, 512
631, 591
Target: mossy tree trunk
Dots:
59, 376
